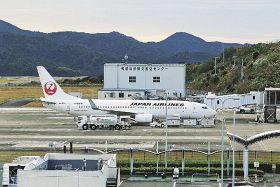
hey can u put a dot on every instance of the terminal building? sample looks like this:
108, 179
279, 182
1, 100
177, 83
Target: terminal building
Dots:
143, 81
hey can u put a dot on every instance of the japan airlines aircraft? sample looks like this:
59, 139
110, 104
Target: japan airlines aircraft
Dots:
143, 111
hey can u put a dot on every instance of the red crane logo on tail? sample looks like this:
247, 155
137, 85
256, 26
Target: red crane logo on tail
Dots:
50, 88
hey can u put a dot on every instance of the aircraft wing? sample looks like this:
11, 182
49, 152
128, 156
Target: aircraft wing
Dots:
92, 105
119, 113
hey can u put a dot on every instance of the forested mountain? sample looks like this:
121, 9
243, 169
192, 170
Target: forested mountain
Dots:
184, 42
261, 69
76, 53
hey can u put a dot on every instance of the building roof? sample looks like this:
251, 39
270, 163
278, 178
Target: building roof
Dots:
63, 156
272, 89
22, 160
127, 64
127, 89
61, 161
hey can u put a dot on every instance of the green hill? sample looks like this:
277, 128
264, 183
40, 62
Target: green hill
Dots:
261, 70
75, 53
19, 55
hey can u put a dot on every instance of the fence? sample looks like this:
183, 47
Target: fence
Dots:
177, 155
189, 160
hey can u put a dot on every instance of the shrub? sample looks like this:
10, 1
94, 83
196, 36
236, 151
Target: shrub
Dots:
255, 55
188, 170
265, 166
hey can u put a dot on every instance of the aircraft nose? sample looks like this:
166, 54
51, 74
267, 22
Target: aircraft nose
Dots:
213, 112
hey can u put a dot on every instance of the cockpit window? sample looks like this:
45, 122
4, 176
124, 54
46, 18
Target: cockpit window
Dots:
204, 107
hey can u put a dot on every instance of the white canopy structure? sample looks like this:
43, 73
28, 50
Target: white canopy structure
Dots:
249, 141
254, 139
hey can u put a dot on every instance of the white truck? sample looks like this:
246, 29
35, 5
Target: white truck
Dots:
103, 122
172, 121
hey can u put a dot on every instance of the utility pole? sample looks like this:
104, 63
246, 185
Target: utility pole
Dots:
234, 58
216, 65
242, 71
223, 55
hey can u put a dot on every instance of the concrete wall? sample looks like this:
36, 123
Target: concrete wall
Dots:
58, 178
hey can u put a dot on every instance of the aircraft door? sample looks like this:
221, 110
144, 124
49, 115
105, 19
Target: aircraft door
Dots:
194, 109
68, 108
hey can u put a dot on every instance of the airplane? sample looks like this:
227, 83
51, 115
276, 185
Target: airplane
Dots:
143, 111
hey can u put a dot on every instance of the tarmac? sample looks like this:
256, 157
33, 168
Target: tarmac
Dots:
35, 128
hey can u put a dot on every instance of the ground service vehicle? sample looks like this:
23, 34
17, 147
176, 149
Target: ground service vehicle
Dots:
157, 124
103, 122
247, 110
176, 173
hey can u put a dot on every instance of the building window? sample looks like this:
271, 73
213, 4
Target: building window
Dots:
121, 95
111, 95
156, 79
132, 79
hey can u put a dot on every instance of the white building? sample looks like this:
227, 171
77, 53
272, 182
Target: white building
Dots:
71, 170
124, 81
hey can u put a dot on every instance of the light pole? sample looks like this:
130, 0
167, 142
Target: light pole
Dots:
234, 58
165, 155
222, 154
233, 149
216, 65
222, 131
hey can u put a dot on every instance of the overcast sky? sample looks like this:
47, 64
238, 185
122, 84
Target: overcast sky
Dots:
151, 20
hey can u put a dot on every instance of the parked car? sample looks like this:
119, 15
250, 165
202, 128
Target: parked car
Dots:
247, 110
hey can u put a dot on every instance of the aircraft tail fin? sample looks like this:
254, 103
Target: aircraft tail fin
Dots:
50, 87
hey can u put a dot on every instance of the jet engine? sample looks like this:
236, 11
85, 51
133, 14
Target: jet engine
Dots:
144, 118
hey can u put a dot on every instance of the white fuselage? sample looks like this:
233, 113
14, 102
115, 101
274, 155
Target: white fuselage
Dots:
183, 109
